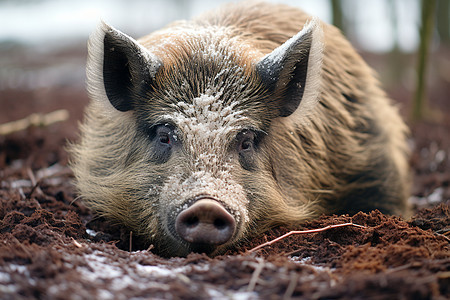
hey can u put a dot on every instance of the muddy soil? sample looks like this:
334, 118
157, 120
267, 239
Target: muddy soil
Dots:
53, 247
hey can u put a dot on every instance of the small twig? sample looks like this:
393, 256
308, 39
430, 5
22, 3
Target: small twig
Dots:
54, 170
74, 200
304, 232
404, 267
255, 276
150, 247
78, 245
443, 235
35, 183
131, 241
291, 286
293, 252
34, 120
22, 247
31, 176
183, 278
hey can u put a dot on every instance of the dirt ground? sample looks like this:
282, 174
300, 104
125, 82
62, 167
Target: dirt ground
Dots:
52, 247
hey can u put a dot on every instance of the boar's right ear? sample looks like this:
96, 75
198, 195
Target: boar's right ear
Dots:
292, 71
118, 67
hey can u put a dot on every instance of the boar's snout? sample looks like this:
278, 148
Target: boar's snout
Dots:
206, 222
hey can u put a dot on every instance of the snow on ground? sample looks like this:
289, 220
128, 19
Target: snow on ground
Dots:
144, 274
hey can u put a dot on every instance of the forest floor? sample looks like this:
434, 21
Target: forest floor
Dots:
52, 247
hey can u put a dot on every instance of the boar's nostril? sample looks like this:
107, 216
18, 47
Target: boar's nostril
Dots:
192, 222
205, 222
220, 223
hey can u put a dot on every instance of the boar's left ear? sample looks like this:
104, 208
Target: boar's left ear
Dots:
118, 67
292, 71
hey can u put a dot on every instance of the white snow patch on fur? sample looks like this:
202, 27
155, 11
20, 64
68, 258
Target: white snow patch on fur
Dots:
208, 126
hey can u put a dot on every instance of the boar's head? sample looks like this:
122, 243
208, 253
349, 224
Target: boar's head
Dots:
176, 142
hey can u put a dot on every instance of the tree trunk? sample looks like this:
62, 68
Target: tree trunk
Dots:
420, 107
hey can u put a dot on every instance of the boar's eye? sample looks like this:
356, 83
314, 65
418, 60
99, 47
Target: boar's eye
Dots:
164, 139
246, 140
246, 145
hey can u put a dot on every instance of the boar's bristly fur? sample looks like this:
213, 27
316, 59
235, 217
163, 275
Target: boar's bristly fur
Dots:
248, 117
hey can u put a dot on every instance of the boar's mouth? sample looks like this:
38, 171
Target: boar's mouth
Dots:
203, 224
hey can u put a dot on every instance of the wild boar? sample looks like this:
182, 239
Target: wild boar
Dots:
208, 132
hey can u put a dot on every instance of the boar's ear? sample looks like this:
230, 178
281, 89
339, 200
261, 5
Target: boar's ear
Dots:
292, 71
118, 67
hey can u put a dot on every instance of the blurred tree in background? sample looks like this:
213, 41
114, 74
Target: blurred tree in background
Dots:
433, 29
338, 16
443, 21
420, 106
